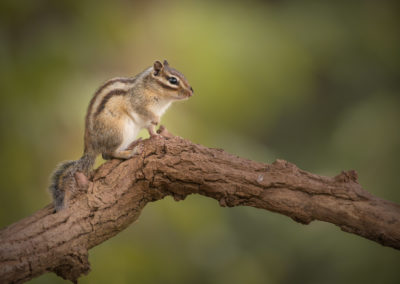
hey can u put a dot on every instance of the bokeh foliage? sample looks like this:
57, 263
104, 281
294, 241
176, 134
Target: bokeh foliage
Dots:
313, 82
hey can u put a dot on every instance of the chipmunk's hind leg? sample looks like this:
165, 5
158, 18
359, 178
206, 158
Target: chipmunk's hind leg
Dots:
124, 149
114, 137
124, 154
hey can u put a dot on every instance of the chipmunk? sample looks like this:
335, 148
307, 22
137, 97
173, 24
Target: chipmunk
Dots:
119, 109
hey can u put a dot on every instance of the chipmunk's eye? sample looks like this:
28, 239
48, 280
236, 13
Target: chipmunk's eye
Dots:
173, 80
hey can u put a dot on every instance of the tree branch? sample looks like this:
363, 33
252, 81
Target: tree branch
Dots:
59, 242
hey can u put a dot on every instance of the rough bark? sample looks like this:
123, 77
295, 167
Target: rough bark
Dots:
59, 242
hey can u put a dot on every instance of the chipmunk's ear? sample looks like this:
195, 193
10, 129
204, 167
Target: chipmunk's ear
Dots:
166, 63
158, 66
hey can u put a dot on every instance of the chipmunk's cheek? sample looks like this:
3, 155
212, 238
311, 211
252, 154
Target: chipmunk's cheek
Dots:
181, 95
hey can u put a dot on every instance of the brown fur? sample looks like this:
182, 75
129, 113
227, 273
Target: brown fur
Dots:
106, 98
137, 101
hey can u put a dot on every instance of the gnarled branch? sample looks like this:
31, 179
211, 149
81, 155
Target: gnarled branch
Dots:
59, 242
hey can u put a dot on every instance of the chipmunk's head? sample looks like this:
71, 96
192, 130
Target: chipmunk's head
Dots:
170, 82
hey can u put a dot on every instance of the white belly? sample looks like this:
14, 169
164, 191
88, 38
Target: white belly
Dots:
159, 108
130, 132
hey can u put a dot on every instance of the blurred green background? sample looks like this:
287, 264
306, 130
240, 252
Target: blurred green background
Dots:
312, 82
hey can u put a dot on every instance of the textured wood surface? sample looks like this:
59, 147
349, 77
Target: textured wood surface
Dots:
59, 242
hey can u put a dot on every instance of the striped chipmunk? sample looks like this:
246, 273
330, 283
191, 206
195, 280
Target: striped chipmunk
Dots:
119, 109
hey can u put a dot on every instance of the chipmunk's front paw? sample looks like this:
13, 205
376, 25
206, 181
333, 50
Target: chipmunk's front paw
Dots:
156, 136
162, 131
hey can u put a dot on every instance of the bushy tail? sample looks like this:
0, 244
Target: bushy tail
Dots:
63, 177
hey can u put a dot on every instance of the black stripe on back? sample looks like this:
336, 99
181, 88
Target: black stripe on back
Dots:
112, 81
105, 85
94, 98
106, 98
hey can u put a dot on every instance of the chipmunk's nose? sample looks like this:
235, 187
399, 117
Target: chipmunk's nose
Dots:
190, 93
